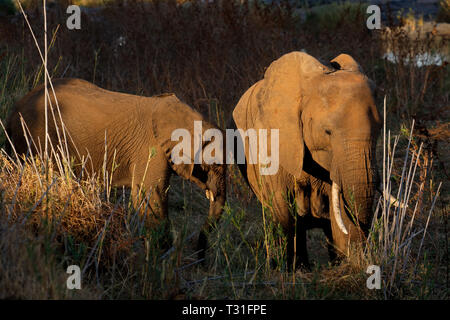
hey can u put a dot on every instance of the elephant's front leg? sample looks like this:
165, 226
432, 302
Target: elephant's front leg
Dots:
294, 229
332, 254
151, 200
297, 246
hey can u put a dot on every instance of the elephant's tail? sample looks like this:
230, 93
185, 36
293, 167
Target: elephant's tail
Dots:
242, 166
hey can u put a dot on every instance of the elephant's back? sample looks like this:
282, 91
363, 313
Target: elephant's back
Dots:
86, 110
76, 96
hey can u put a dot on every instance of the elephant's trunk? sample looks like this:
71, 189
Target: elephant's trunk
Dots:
355, 180
216, 193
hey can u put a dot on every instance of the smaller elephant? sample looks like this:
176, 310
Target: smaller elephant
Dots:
137, 132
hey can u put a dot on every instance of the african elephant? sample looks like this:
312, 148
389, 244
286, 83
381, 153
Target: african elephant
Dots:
137, 132
328, 126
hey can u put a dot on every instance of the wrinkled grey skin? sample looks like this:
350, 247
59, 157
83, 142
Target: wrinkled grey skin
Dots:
135, 127
328, 127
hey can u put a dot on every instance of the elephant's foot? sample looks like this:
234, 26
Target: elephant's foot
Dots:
301, 261
335, 258
300, 264
303, 266
335, 261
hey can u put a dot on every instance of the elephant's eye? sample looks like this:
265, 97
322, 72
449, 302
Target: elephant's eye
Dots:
328, 132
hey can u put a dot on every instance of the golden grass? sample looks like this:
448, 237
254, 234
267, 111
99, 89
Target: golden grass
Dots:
65, 206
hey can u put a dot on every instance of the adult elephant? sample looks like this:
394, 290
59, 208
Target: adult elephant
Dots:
134, 132
328, 126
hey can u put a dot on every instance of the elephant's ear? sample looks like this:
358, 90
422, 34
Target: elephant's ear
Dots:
170, 114
346, 62
275, 103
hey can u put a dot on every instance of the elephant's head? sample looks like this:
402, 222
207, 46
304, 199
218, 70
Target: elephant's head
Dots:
173, 115
328, 126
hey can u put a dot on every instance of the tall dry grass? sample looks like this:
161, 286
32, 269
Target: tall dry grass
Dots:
394, 234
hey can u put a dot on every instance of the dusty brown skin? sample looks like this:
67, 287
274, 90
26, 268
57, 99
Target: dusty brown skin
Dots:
135, 127
328, 126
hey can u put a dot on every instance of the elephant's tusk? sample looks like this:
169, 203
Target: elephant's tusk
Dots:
336, 207
210, 195
392, 200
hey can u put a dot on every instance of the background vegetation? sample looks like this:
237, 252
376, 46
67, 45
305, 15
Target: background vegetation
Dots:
209, 55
